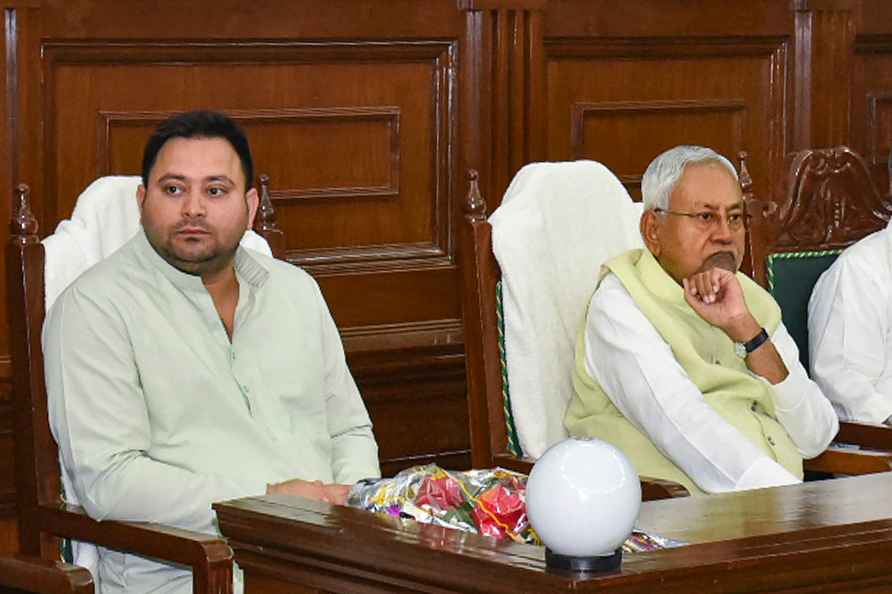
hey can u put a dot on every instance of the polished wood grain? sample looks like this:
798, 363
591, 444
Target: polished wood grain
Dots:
9, 534
788, 539
21, 574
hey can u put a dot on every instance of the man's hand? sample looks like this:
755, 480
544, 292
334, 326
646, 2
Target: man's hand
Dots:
717, 297
330, 493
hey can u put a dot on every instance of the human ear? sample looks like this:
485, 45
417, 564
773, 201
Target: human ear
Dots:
140, 196
650, 231
253, 201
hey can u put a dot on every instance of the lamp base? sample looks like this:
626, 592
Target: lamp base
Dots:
593, 564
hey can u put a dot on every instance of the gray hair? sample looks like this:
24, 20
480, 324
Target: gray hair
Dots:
663, 173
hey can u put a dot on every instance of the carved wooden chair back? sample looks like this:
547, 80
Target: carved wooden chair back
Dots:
43, 517
828, 202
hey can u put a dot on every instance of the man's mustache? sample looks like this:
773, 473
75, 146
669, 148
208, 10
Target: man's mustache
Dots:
724, 260
192, 224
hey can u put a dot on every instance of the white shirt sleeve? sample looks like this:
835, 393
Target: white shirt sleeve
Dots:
799, 403
640, 374
354, 452
848, 325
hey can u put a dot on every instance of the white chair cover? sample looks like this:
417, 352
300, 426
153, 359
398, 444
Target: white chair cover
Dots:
558, 222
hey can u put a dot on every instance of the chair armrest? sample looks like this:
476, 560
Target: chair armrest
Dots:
871, 436
208, 555
846, 461
32, 574
653, 489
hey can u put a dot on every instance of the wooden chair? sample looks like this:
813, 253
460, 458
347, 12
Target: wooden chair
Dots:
21, 575
43, 517
493, 437
829, 202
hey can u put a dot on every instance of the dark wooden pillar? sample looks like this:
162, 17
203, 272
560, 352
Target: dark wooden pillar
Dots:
824, 55
503, 90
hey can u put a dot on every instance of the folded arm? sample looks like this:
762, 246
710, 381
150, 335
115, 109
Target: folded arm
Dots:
717, 296
639, 372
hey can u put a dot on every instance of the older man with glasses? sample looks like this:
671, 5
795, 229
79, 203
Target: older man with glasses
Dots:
682, 361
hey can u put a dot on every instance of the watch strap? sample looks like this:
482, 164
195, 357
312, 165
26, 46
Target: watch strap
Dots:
755, 342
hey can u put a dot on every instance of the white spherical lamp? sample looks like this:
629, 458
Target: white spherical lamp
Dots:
583, 498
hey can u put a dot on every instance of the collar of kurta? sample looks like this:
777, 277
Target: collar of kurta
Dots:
247, 268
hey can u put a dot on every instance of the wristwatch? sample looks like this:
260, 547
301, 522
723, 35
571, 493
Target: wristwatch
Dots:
742, 349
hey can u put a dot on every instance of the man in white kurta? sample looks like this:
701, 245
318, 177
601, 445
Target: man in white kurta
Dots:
683, 362
184, 370
850, 330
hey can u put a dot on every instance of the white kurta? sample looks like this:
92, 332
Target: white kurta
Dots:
849, 317
158, 414
638, 371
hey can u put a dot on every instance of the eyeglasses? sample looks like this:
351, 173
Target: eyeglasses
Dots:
708, 220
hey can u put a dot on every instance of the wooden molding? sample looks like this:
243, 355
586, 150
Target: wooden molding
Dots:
407, 335
389, 116
502, 4
659, 47
771, 50
614, 109
374, 258
879, 104
441, 54
873, 44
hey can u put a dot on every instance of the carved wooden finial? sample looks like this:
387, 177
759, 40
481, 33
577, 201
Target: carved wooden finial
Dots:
760, 210
267, 224
475, 204
746, 181
266, 211
23, 226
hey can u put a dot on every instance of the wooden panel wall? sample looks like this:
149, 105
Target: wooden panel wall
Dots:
367, 114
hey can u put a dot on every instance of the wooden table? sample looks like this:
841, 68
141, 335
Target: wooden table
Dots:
830, 536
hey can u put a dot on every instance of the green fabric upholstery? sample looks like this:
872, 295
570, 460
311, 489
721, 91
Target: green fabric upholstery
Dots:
513, 441
791, 278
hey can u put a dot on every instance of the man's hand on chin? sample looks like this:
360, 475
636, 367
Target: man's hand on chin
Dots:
717, 297
330, 493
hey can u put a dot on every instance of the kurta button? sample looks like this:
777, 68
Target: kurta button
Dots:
770, 440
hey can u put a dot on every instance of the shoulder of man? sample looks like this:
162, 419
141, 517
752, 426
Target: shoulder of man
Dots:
108, 277
285, 273
868, 249
869, 259
610, 295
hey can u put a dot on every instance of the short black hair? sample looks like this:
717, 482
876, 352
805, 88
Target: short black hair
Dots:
199, 124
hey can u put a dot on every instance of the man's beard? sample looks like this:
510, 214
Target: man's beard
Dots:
723, 260
213, 260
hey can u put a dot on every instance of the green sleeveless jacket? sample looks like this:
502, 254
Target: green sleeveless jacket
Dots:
705, 353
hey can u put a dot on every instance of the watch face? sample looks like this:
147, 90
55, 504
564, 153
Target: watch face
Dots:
740, 350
